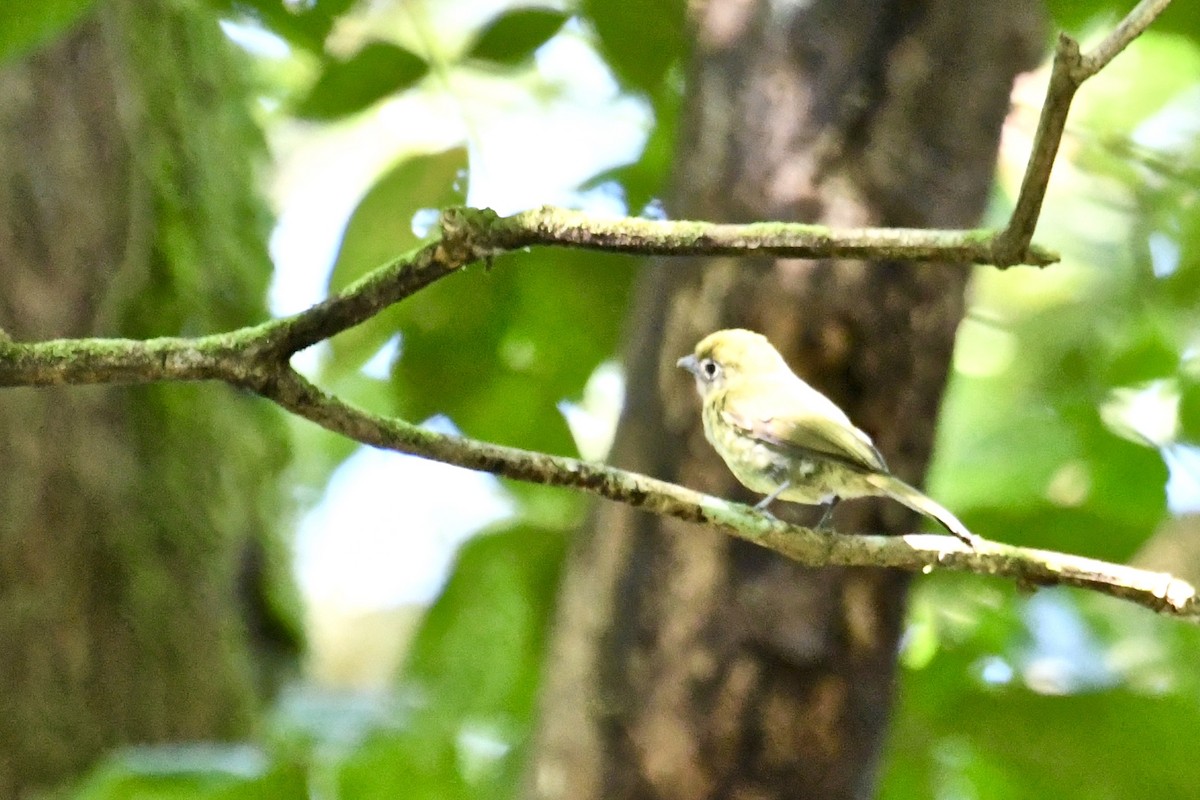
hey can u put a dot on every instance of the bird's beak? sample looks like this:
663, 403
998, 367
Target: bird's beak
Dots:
688, 363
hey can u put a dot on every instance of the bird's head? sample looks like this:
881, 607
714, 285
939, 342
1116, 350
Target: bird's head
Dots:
729, 356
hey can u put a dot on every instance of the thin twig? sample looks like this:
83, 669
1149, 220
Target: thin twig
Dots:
1068, 72
924, 553
1119, 38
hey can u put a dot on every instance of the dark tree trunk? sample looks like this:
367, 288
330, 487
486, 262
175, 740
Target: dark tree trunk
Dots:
126, 208
688, 664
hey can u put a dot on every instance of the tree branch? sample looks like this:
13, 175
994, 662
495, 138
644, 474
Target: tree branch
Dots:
1119, 38
468, 236
251, 359
1070, 69
636, 236
924, 553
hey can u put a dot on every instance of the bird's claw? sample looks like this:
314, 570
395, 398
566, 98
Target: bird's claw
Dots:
971, 540
762, 508
825, 524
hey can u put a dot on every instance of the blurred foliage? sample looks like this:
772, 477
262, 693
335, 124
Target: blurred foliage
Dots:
459, 727
25, 24
1074, 16
1071, 385
384, 225
641, 41
470, 716
1060, 696
1069, 379
1073, 389
302, 23
523, 352
194, 772
513, 36
376, 71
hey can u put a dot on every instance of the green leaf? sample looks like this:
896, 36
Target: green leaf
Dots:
1181, 287
1189, 410
303, 24
514, 36
640, 39
25, 24
498, 350
479, 649
1147, 353
377, 70
1076, 16
1062, 481
380, 229
1128, 489
1177, 18
402, 764
381, 226
995, 450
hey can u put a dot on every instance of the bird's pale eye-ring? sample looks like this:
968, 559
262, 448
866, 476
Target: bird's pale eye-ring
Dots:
710, 369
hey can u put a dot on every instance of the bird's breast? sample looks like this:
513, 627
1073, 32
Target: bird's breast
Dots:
763, 468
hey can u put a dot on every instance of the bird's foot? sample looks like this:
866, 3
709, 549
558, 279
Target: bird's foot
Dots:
825, 524
762, 507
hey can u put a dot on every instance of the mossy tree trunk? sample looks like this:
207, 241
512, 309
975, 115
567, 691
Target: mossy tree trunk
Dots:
127, 207
688, 664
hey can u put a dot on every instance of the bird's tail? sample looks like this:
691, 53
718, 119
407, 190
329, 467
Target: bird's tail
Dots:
900, 491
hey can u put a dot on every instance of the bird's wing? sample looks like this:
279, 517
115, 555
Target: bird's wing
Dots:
808, 426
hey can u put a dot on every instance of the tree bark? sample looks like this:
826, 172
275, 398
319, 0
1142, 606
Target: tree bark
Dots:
127, 207
687, 664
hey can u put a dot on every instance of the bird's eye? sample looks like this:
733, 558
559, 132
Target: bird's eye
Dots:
710, 369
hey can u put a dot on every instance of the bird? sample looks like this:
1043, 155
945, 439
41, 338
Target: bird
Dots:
784, 439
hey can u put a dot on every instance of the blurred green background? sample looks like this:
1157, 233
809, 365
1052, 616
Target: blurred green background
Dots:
1072, 420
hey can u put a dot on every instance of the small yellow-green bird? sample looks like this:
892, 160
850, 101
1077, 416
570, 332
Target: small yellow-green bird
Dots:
784, 439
